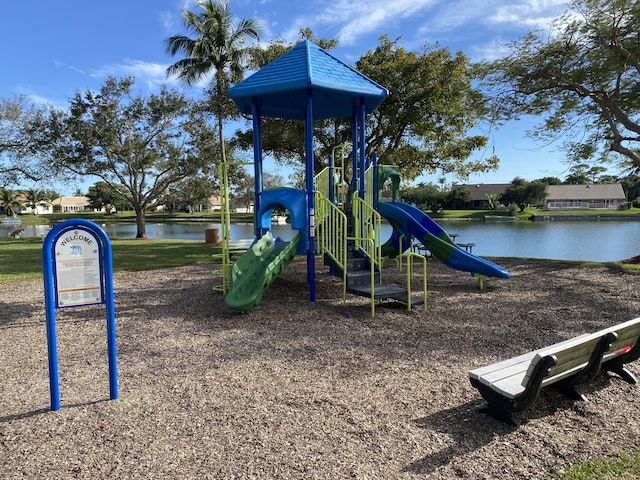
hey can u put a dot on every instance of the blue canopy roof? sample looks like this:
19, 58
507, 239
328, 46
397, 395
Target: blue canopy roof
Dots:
281, 86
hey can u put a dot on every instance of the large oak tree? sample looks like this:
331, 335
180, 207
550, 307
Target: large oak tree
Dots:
137, 145
423, 126
583, 77
23, 145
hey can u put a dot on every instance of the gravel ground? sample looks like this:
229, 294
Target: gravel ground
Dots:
301, 390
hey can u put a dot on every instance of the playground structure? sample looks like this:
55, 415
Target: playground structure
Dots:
308, 84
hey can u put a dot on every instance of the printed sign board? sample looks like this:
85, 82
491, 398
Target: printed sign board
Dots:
77, 269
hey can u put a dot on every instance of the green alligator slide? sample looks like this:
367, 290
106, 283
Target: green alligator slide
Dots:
254, 271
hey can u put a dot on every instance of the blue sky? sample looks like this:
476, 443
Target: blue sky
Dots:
51, 49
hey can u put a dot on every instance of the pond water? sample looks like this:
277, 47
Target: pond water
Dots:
601, 241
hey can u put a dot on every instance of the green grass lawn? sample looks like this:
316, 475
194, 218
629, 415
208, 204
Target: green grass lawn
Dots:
21, 259
452, 214
626, 466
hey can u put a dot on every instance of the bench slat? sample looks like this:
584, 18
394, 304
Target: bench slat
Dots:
509, 378
628, 334
526, 357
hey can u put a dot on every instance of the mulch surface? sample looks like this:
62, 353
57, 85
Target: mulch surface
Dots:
297, 389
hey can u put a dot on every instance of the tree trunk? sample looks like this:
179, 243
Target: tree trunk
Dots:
219, 112
223, 153
141, 223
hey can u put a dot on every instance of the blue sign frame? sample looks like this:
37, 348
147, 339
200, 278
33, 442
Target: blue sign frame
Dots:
70, 238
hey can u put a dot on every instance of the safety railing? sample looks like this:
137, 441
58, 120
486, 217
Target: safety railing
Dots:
321, 182
225, 222
331, 228
367, 230
410, 257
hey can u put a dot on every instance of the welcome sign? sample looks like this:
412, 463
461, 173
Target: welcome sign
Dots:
77, 266
78, 269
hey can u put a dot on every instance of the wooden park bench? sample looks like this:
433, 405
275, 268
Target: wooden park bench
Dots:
512, 385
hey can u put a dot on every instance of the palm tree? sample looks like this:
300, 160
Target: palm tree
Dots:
9, 200
33, 198
220, 43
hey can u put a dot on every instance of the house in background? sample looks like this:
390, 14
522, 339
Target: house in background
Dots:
212, 204
600, 196
242, 203
215, 203
480, 193
71, 204
41, 208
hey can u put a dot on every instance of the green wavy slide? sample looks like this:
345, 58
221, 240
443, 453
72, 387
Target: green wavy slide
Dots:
254, 271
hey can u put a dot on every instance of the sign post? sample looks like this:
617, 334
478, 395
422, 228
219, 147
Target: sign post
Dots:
78, 271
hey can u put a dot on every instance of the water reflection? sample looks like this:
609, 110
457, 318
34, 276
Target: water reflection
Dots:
596, 241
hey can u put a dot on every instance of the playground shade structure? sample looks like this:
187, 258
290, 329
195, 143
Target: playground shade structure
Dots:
254, 271
410, 221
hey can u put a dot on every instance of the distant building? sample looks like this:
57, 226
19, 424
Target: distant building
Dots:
480, 193
599, 196
212, 204
215, 203
71, 204
41, 208
242, 203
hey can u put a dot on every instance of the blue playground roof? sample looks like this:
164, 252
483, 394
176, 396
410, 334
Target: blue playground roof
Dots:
281, 86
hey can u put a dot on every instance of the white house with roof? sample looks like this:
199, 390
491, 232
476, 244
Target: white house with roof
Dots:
600, 196
71, 204
40, 208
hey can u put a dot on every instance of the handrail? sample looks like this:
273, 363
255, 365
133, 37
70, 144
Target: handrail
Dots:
368, 228
339, 173
331, 228
225, 223
321, 182
410, 257
372, 279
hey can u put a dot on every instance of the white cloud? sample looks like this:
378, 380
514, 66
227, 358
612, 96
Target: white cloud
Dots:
169, 21
41, 100
494, 49
532, 14
60, 64
150, 73
357, 19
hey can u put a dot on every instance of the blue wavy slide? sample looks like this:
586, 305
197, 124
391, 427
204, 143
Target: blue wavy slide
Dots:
410, 221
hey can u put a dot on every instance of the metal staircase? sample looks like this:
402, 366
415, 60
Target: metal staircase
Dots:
361, 276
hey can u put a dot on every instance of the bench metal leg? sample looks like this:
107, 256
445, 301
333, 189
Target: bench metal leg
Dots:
570, 390
569, 386
504, 416
623, 372
617, 364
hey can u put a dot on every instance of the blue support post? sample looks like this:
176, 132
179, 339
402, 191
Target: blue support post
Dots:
52, 349
362, 146
354, 152
257, 162
309, 160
